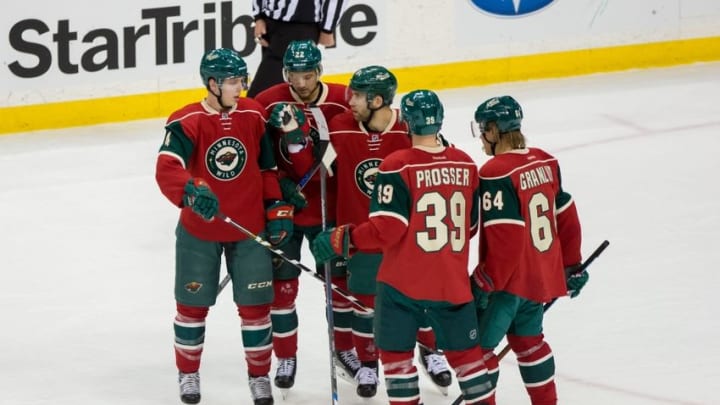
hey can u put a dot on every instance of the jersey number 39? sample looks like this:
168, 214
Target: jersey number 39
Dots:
437, 233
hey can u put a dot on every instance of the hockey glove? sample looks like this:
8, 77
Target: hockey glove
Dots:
332, 244
482, 286
291, 194
200, 198
291, 121
279, 224
575, 281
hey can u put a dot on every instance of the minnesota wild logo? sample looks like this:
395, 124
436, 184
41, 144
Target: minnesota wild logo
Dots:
226, 158
193, 287
365, 175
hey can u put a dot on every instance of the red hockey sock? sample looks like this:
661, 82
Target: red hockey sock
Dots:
362, 326
342, 317
284, 318
401, 377
256, 337
537, 368
472, 375
189, 329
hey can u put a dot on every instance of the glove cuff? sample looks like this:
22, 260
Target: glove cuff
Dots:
350, 248
193, 185
341, 241
571, 270
280, 210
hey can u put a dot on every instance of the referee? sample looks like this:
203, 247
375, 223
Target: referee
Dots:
278, 22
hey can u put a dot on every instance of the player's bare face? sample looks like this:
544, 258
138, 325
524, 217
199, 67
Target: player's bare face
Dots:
304, 84
231, 88
359, 105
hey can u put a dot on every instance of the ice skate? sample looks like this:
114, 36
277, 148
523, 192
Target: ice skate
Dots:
347, 365
189, 387
367, 379
435, 367
285, 375
260, 390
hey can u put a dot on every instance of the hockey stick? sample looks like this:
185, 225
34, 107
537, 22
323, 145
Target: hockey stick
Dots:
326, 151
342, 292
224, 282
325, 133
547, 306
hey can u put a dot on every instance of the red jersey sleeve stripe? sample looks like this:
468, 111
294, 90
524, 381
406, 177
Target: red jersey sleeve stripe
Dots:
503, 221
391, 215
174, 156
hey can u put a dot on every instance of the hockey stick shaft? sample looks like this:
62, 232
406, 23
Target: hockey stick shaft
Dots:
326, 159
342, 292
223, 283
327, 156
324, 133
305, 179
547, 306
328, 295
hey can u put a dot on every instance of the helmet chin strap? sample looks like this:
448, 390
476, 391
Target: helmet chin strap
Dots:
218, 97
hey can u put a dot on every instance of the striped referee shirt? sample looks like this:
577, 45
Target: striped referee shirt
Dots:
324, 12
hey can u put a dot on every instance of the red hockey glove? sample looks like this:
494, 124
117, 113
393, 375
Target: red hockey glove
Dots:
332, 244
279, 224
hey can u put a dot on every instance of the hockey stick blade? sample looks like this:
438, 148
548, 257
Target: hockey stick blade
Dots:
329, 154
326, 151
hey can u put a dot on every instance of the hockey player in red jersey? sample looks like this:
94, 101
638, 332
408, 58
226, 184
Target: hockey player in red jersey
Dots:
295, 153
362, 138
529, 233
216, 157
423, 213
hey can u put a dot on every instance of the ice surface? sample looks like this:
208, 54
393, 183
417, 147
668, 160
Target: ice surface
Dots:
86, 246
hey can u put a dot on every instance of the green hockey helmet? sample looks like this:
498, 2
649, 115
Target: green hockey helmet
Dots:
375, 81
302, 56
221, 64
504, 111
423, 112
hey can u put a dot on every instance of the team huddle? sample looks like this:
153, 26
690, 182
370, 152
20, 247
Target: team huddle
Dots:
389, 222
